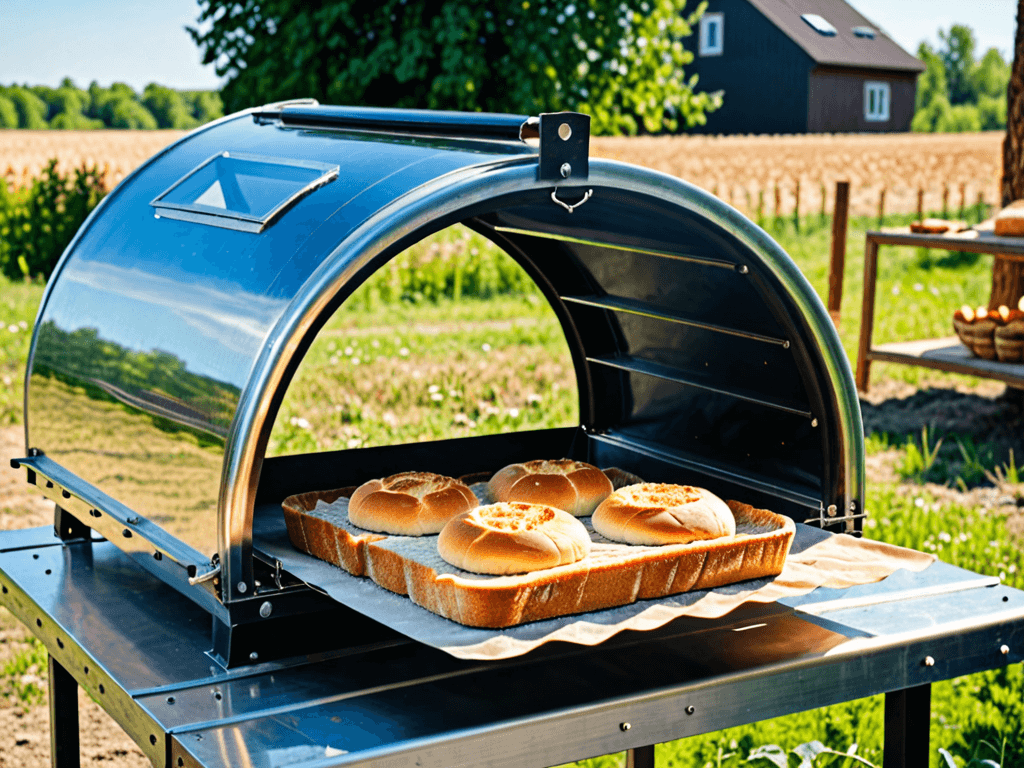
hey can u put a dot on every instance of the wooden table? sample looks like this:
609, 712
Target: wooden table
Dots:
945, 354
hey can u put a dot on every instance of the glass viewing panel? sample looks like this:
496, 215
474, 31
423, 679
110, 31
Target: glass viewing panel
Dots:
241, 191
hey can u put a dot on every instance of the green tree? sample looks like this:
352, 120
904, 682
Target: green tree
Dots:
204, 105
118, 107
932, 82
991, 75
958, 58
168, 107
8, 113
622, 63
30, 108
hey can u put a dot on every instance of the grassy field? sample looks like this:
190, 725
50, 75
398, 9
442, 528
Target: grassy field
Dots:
449, 341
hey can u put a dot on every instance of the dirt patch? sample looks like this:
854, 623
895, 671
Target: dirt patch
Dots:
25, 731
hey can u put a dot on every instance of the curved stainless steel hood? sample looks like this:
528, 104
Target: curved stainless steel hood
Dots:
164, 345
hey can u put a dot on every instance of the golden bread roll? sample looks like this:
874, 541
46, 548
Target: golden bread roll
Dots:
409, 503
573, 486
1010, 220
513, 537
652, 514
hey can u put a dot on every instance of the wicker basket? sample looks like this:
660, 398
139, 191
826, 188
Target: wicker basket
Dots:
1009, 339
979, 336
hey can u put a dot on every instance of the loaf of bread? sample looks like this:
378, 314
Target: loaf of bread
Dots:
409, 503
512, 537
612, 574
1010, 221
573, 486
652, 514
936, 226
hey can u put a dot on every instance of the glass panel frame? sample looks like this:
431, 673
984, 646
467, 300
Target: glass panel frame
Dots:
224, 203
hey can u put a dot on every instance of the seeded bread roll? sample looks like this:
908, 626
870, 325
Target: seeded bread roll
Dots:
409, 503
652, 514
573, 486
513, 537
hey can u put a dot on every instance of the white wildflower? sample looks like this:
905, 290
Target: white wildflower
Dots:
404, 351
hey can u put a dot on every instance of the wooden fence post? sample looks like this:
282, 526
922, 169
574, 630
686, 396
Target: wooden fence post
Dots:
837, 259
920, 204
881, 208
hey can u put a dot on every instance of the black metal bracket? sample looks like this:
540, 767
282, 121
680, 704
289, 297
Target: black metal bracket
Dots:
67, 527
564, 146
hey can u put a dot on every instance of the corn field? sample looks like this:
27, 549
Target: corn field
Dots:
761, 175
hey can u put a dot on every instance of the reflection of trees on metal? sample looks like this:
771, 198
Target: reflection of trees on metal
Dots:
155, 382
622, 66
1008, 276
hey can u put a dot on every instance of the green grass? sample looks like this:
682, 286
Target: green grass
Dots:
18, 304
23, 676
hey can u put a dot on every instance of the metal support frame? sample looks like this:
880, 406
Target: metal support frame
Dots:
64, 747
907, 719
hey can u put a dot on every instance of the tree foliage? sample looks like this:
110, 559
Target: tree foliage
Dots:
119, 106
620, 62
956, 92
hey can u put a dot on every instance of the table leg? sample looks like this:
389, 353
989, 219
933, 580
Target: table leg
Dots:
867, 314
641, 757
907, 720
64, 751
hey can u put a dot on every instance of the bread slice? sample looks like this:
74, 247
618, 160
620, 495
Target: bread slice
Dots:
612, 574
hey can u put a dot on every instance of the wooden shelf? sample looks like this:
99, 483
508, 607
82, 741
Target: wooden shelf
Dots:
947, 354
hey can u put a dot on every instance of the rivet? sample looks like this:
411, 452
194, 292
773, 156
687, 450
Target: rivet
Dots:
814, 422
1004, 649
690, 710
928, 661
853, 506
832, 509
266, 609
624, 726
564, 132
243, 587
565, 170
742, 269
785, 344
253, 656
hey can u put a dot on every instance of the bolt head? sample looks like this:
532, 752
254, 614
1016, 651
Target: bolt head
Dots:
624, 726
928, 661
1004, 649
253, 656
565, 170
242, 587
266, 609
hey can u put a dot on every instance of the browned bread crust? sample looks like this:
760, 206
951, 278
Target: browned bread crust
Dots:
611, 575
1010, 220
409, 503
512, 537
573, 486
653, 514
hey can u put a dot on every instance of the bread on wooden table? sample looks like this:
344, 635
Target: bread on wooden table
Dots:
409, 503
512, 537
573, 486
1009, 222
653, 514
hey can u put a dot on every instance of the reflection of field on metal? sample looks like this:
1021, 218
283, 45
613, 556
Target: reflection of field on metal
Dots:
736, 168
21, 505
167, 473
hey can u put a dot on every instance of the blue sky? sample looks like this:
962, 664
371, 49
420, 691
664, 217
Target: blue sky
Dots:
42, 41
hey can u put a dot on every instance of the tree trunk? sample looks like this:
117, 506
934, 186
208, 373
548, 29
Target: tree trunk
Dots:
1008, 276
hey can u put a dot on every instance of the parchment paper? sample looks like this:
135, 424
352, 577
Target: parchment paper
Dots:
817, 559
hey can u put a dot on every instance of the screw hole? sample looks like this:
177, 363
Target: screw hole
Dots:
4, 590
217, 695
564, 132
102, 689
152, 738
39, 622
1005, 598
60, 643
35, 557
181, 762
48, 571
170, 699
86, 669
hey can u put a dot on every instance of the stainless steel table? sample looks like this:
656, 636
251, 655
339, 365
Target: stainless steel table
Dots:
140, 650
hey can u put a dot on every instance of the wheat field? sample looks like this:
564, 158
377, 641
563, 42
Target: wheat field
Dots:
771, 175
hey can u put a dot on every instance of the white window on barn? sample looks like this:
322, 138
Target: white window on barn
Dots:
712, 28
876, 101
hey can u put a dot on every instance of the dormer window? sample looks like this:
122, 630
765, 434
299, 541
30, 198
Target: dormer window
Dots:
712, 28
866, 32
820, 24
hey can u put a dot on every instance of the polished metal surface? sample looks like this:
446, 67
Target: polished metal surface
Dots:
164, 347
139, 650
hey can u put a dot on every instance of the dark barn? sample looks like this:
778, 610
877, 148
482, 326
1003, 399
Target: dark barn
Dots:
801, 66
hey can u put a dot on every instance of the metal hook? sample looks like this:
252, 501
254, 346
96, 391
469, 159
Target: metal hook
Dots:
574, 206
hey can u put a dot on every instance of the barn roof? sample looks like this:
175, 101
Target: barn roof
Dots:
844, 48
